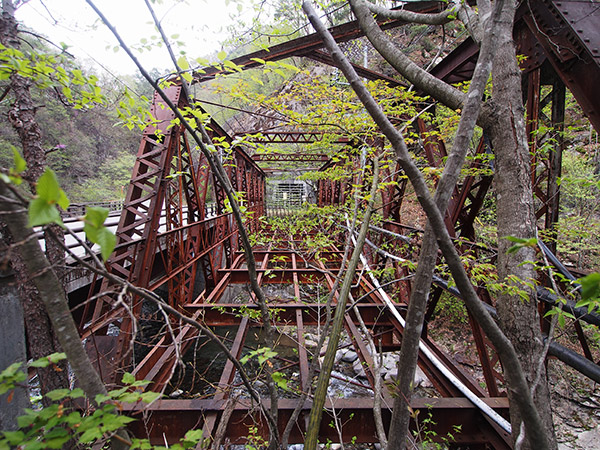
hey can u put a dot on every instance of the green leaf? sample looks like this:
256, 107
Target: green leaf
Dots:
77, 393
25, 421
140, 383
222, 55
520, 243
42, 210
266, 356
97, 233
116, 392
48, 187
129, 397
150, 396
590, 286
107, 242
14, 437
48, 413
63, 200
42, 213
128, 378
10, 376
73, 418
47, 360
10, 370
96, 216
90, 435
193, 436
280, 380
114, 422
183, 64
515, 239
56, 442
58, 394
187, 76
19, 162
56, 357
101, 398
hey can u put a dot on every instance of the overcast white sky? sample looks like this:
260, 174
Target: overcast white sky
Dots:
200, 24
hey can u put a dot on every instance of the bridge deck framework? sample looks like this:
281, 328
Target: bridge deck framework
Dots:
169, 245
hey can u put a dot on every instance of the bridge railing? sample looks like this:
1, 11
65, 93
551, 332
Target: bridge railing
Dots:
75, 226
71, 221
281, 208
78, 209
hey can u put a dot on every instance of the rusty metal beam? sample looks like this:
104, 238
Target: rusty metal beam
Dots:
363, 72
305, 45
292, 137
275, 275
223, 387
568, 33
170, 419
221, 314
289, 157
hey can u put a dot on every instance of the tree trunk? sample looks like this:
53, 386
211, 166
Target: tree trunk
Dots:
12, 349
41, 338
55, 302
516, 217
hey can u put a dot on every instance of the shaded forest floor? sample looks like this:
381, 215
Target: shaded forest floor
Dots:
575, 398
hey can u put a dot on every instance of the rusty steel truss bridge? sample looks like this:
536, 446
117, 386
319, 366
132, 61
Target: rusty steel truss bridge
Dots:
169, 244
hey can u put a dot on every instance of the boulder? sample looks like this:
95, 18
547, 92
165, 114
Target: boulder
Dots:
358, 369
350, 356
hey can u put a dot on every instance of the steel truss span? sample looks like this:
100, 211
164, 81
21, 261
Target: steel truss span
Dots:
177, 239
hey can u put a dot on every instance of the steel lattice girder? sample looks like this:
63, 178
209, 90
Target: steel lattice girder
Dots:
569, 34
179, 240
290, 137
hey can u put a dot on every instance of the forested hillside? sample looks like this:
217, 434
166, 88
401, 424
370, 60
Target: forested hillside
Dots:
87, 147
